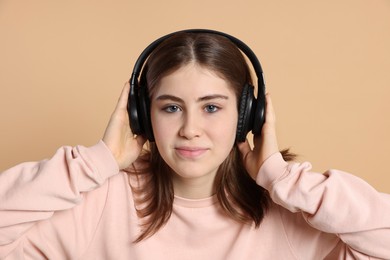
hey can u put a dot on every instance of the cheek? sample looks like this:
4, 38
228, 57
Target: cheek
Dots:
224, 141
160, 127
225, 130
161, 137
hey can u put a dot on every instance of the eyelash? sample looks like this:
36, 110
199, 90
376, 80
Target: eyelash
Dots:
169, 108
214, 109
209, 108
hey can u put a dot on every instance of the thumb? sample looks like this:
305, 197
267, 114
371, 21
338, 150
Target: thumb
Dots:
248, 158
245, 149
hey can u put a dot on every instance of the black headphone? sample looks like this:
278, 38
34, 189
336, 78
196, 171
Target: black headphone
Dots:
251, 114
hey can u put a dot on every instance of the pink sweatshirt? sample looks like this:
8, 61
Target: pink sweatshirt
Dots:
78, 205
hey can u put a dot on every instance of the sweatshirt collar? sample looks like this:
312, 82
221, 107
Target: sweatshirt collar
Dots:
195, 203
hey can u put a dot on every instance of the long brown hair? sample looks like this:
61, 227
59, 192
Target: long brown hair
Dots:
238, 194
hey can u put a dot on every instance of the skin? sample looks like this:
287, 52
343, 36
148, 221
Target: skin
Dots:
190, 125
194, 115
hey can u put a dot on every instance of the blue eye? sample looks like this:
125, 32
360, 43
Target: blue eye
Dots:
211, 108
172, 108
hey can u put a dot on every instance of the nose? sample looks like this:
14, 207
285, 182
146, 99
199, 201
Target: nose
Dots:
191, 126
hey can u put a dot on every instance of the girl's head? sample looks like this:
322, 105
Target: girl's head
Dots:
195, 81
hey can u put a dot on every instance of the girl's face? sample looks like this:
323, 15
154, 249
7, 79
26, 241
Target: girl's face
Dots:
194, 119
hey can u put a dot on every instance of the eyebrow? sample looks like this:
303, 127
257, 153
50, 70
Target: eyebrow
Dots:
205, 98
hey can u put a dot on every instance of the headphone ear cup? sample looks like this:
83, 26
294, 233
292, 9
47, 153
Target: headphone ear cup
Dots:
245, 113
259, 116
145, 120
133, 110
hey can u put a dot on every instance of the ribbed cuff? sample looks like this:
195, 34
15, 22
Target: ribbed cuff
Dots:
103, 160
272, 169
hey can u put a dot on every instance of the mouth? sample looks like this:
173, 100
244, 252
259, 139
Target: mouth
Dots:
190, 152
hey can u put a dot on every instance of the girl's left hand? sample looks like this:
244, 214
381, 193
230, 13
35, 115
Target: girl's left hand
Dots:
264, 145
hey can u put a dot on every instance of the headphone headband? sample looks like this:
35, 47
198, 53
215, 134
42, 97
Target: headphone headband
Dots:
240, 44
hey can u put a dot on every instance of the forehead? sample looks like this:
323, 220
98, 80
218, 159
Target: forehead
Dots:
193, 80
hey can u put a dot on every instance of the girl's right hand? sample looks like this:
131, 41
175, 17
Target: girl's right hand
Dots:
118, 137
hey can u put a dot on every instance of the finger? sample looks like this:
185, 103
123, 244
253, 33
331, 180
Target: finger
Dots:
270, 112
244, 148
122, 101
140, 140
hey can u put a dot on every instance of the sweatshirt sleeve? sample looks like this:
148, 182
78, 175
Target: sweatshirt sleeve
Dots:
333, 202
33, 191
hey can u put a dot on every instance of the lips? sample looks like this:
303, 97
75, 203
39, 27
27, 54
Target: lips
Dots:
191, 152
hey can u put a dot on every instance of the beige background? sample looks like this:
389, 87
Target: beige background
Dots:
63, 64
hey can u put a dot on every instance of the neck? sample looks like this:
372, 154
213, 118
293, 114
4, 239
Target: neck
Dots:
193, 188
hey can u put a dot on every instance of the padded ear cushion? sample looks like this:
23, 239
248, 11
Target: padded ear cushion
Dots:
133, 108
144, 110
245, 113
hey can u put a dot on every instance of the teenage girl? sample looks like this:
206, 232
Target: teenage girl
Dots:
191, 189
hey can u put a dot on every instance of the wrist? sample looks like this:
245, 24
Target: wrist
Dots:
271, 170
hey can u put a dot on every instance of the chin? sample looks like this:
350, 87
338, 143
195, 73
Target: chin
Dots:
194, 172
